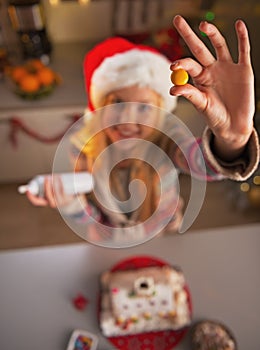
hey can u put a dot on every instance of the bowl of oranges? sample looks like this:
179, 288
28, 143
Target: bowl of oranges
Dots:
33, 79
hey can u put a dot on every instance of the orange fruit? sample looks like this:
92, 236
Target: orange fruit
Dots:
46, 76
17, 73
179, 77
29, 83
34, 65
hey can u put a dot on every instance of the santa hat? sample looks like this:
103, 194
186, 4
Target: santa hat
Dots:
117, 63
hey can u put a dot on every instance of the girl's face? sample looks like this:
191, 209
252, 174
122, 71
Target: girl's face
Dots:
127, 118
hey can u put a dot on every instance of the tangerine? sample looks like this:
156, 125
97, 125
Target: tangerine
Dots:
17, 73
46, 76
34, 64
29, 83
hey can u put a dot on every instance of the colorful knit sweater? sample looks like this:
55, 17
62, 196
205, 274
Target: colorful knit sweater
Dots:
193, 156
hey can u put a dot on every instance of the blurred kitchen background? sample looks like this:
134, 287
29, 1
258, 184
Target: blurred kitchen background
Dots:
59, 33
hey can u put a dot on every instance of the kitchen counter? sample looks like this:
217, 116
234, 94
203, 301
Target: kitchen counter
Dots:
48, 116
67, 60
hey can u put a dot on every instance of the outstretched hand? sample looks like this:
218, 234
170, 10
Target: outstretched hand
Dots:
222, 89
53, 194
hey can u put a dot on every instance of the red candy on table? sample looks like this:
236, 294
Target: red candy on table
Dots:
80, 302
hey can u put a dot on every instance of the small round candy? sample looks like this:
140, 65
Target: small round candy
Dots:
179, 77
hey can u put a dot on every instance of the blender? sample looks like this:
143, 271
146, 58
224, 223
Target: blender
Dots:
28, 20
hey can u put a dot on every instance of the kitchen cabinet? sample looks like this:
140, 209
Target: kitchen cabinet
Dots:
30, 156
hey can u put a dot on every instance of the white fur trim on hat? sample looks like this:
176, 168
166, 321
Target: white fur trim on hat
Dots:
141, 67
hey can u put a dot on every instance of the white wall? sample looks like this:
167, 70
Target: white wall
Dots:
73, 21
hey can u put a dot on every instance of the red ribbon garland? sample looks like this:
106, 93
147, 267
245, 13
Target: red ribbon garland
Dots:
17, 124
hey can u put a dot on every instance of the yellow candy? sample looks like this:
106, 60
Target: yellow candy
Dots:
179, 77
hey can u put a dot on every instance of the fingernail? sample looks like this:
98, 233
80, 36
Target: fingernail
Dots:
173, 93
174, 64
176, 17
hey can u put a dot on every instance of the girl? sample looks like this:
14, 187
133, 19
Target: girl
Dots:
133, 81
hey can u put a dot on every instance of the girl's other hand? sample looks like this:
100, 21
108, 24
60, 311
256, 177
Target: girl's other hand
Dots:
54, 195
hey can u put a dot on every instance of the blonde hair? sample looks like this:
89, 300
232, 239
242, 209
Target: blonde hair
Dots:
138, 169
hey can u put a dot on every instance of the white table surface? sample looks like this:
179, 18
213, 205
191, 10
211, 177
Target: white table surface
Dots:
37, 286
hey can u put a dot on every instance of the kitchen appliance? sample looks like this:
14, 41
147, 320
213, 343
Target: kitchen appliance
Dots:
28, 20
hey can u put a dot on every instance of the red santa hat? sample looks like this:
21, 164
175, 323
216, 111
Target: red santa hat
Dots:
117, 63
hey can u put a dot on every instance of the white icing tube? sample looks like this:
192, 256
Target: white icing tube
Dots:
73, 183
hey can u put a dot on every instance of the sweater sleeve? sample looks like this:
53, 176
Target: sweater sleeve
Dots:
81, 210
196, 157
241, 168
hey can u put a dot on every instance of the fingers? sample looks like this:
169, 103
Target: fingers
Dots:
58, 190
191, 93
188, 91
192, 67
60, 197
38, 201
196, 46
243, 43
49, 192
53, 193
48, 198
217, 41
201, 52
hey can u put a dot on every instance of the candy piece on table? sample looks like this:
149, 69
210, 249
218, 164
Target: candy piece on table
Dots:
80, 302
82, 340
179, 77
